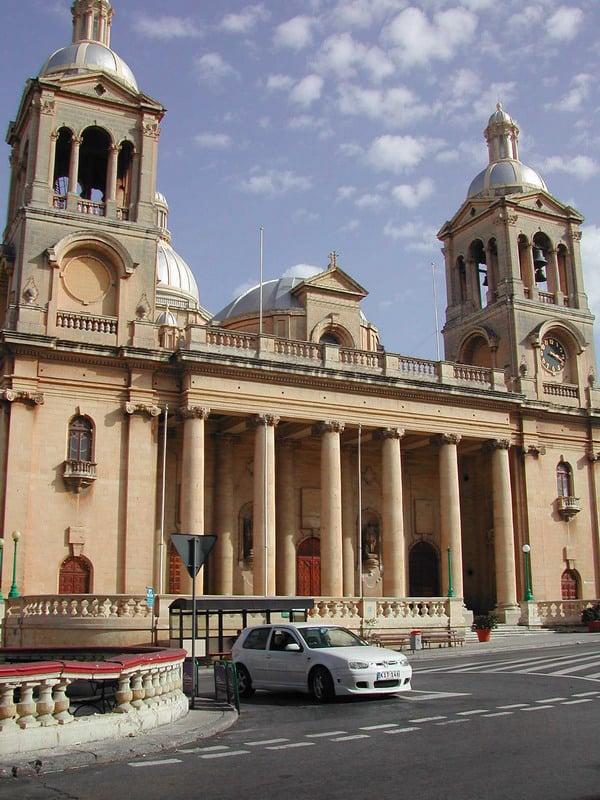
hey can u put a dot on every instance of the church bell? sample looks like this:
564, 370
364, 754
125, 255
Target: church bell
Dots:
539, 262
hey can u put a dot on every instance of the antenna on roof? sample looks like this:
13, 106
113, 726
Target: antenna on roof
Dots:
260, 307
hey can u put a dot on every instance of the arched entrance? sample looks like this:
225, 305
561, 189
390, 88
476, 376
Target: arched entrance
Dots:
423, 571
569, 585
308, 568
75, 576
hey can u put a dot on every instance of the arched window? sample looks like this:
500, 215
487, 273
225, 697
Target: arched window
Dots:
569, 585
564, 479
81, 440
329, 338
93, 164
423, 571
246, 534
62, 161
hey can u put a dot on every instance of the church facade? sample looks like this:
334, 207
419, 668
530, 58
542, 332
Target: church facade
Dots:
326, 466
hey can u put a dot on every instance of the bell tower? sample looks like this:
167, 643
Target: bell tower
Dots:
515, 294
80, 243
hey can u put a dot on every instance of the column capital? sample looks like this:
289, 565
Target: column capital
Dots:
329, 426
194, 412
268, 420
441, 439
389, 433
29, 398
142, 408
496, 444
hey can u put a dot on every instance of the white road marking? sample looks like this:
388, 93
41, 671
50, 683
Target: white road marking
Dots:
513, 705
551, 700
427, 719
378, 727
585, 694
536, 708
474, 711
225, 755
574, 702
349, 738
403, 730
323, 735
265, 741
155, 763
452, 722
290, 745
499, 714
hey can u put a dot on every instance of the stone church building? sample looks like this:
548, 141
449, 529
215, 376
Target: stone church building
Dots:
326, 466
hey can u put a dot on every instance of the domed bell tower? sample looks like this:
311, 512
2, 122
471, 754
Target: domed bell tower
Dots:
79, 247
515, 293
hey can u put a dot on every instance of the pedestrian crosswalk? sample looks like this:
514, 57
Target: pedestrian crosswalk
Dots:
578, 665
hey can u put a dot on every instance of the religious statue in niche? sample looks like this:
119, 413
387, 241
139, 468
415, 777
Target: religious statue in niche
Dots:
371, 549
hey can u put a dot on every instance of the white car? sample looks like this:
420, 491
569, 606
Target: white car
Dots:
325, 660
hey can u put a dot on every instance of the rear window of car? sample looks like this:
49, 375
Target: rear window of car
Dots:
257, 639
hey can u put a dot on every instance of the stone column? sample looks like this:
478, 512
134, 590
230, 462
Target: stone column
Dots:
507, 607
111, 181
74, 165
331, 509
286, 519
393, 547
263, 531
192, 480
140, 556
351, 579
225, 518
450, 521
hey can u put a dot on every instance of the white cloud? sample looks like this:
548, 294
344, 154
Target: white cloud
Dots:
396, 153
279, 82
564, 24
412, 196
275, 182
307, 90
416, 41
363, 13
167, 27
581, 167
212, 68
213, 141
343, 56
346, 192
369, 201
395, 108
578, 93
590, 257
246, 20
296, 33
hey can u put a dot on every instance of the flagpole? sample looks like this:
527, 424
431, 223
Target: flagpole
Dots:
435, 310
162, 509
260, 312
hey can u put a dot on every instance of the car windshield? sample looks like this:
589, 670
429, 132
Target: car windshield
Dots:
330, 637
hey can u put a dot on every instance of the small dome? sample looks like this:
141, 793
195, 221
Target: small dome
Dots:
88, 55
167, 318
505, 177
276, 295
175, 278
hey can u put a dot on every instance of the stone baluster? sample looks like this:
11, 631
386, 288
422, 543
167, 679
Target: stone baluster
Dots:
137, 690
61, 702
45, 703
8, 709
26, 707
124, 695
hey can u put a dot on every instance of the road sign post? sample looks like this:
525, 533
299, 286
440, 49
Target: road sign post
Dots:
193, 550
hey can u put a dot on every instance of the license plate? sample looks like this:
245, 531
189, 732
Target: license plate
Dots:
388, 676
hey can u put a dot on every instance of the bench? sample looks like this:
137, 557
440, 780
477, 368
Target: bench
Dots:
394, 640
443, 638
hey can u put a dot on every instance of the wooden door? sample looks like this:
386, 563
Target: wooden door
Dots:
75, 576
308, 568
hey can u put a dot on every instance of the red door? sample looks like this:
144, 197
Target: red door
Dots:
74, 576
308, 568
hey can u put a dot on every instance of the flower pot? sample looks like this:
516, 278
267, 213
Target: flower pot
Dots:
594, 626
483, 634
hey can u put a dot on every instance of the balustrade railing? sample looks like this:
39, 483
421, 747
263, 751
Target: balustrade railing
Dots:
476, 374
361, 358
86, 322
79, 606
567, 390
35, 694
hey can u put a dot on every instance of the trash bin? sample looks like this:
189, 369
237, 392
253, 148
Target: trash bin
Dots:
416, 642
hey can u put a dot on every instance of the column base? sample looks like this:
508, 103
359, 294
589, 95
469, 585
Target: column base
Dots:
508, 614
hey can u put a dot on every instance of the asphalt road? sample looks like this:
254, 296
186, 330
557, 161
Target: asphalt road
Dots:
520, 725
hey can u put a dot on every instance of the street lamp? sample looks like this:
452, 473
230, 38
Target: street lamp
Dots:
14, 592
528, 593
1, 554
450, 586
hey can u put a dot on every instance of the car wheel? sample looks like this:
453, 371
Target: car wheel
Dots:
244, 681
321, 685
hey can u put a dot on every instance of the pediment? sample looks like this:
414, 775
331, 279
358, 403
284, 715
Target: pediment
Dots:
100, 85
332, 280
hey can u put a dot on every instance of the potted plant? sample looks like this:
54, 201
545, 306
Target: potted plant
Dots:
590, 616
483, 625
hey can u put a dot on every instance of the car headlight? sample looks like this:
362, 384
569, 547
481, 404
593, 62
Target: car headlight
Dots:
358, 664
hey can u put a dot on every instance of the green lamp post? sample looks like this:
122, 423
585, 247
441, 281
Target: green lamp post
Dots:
14, 592
1, 555
528, 593
450, 586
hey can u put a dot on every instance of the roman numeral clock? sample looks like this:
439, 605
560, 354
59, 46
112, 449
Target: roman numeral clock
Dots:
554, 357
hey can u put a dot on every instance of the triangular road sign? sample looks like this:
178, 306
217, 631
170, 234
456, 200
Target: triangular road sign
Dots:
193, 550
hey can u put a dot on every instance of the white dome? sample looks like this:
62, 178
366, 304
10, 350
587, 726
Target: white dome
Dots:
175, 278
86, 56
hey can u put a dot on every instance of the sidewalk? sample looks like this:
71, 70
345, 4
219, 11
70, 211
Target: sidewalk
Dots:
210, 717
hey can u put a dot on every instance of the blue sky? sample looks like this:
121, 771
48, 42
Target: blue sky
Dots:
346, 125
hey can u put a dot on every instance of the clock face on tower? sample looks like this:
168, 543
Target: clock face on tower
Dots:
554, 357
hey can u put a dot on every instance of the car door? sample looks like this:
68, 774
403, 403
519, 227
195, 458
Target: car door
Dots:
286, 667
254, 655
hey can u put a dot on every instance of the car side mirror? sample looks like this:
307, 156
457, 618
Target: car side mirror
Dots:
292, 647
